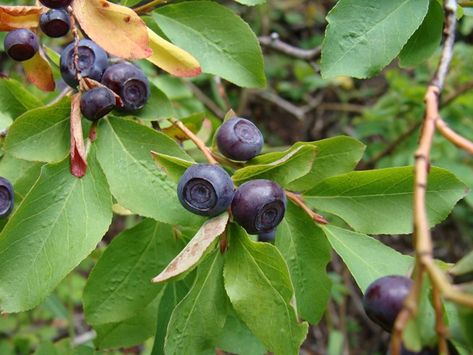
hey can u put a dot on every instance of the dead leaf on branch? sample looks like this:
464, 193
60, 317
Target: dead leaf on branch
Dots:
78, 153
38, 72
13, 17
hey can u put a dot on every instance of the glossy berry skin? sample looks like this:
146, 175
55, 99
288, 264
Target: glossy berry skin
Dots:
384, 299
130, 83
96, 103
55, 23
239, 139
21, 44
92, 62
6, 197
205, 189
55, 4
267, 237
259, 205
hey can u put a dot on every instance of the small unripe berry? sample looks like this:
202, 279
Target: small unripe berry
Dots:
205, 189
384, 299
21, 44
55, 23
259, 206
96, 103
55, 4
6, 197
130, 83
239, 139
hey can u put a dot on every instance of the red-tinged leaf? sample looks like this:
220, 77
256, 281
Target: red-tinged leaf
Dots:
171, 58
39, 73
78, 155
117, 29
13, 17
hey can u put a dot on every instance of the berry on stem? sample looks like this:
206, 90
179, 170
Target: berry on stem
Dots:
259, 206
6, 197
205, 189
21, 44
92, 62
55, 23
239, 139
55, 4
384, 299
130, 83
96, 103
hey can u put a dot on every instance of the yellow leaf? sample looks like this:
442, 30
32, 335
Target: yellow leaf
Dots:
38, 72
117, 29
172, 59
13, 17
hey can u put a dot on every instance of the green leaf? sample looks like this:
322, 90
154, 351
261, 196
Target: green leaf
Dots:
201, 28
199, 318
258, 284
124, 152
41, 134
307, 252
363, 36
464, 266
46, 348
173, 167
336, 155
367, 258
380, 201
131, 331
294, 163
195, 251
120, 284
251, 2
426, 39
57, 225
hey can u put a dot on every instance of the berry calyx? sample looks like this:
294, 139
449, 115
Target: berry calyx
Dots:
96, 103
384, 299
55, 4
6, 197
259, 206
205, 189
239, 139
21, 44
130, 83
55, 23
92, 62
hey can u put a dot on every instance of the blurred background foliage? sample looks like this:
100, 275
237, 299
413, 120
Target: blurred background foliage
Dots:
383, 112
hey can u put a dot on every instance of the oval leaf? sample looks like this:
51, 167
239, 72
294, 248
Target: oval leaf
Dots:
190, 256
13, 17
39, 73
171, 58
117, 29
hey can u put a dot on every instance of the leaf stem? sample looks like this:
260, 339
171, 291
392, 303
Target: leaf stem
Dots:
298, 200
455, 138
149, 6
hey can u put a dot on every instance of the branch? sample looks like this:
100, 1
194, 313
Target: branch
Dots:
275, 43
458, 140
149, 6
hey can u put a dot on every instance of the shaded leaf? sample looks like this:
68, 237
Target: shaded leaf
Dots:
39, 73
197, 247
172, 166
14, 17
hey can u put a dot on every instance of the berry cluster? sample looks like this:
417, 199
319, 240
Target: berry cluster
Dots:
86, 60
207, 189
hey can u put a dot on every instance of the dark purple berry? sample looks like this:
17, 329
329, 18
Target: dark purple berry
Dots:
55, 4
92, 62
6, 197
259, 206
239, 139
55, 23
96, 103
130, 83
384, 299
267, 237
205, 189
21, 44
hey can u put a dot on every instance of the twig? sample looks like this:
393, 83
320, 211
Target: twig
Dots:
75, 33
275, 43
458, 140
149, 6
457, 93
205, 99
66, 92
298, 200
197, 141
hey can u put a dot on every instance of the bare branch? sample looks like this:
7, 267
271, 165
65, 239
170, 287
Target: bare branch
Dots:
275, 43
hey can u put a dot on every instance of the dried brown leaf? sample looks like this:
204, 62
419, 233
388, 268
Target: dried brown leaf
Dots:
13, 17
78, 153
38, 72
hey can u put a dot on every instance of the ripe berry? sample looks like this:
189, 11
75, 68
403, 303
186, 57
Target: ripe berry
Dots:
6, 197
129, 82
259, 206
267, 237
205, 189
55, 4
384, 299
21, 44
239, 139
96, 103
92, 62
55, 23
